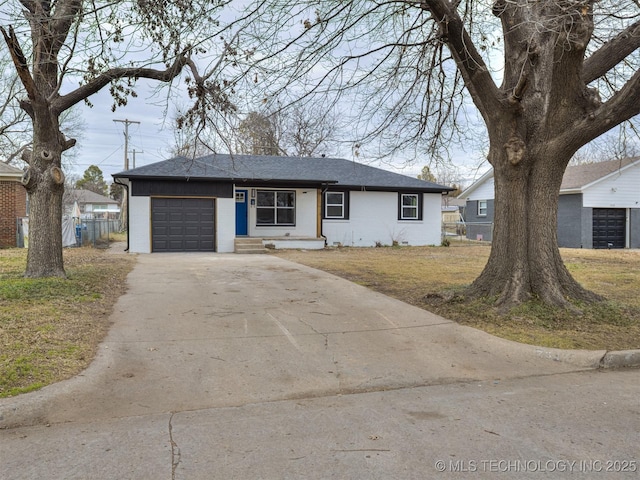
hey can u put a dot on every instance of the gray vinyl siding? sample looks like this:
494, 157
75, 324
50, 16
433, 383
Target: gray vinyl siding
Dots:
570, 222
479, 225
587, 228
634, 228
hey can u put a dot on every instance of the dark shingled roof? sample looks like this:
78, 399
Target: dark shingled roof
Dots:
280, 170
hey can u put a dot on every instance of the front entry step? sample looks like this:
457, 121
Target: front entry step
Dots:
249, 245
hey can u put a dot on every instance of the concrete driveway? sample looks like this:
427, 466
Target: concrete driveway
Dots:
229, 366
200, 331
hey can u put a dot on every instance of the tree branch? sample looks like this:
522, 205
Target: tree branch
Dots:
622, 106
66, 101
20, 62
612, 53
478, 80
65, 14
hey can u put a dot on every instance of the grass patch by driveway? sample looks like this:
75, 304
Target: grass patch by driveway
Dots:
411, 273
50, 328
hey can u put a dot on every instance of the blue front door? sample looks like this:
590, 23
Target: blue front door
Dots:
241, 212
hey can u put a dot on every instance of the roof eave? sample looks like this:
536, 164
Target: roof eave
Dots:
239, 180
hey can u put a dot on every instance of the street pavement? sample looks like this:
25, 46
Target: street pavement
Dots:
223, 366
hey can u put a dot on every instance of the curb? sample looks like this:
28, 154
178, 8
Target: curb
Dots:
621, 359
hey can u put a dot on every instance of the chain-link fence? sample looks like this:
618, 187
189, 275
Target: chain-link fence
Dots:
477, 231
454, 230
88, 231
95, 231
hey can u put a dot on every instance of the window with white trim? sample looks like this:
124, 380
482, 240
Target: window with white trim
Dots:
482, 208
334, 205
275, 207
409, 209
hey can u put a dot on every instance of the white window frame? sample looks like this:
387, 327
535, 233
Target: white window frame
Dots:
327, 205
482, 208
415, 207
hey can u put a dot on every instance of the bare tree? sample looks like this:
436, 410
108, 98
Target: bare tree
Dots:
611, 146
258, 134
310, 130
426, 174
15, 133
92, 44
301, 129
546, 77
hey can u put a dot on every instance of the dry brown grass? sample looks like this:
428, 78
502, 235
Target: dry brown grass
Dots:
50, 328
410, 273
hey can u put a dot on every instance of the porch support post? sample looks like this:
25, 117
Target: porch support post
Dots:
319, 215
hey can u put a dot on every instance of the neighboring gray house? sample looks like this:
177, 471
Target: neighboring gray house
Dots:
599, 206
207, 203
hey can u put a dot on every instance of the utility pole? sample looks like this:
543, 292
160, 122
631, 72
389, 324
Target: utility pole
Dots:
126, 122
134, 151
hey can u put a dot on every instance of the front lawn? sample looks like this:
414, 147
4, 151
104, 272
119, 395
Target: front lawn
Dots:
411, 273
50, 328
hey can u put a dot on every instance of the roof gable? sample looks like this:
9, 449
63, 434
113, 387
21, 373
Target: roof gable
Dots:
337, 172
576, 177
7, 171
580, 176
88, 197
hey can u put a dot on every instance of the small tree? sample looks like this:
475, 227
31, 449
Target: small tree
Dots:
426, 175
309, 130
258, 135
116, 192
93, 181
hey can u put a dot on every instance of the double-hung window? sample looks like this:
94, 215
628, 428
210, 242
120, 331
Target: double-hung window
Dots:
409, 206
482, 208
276, 207
334, 205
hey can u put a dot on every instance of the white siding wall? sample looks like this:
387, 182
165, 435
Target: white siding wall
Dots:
373, 217
225, 224
620, 190
139, 224
484, 191
306, 215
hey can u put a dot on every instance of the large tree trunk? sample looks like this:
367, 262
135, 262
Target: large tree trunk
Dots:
532, 138
44, 181
44, 258
525, 261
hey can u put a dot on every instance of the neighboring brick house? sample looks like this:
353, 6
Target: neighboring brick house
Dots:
13, 204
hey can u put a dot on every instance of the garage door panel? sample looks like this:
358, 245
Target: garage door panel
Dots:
183, 224
609, 227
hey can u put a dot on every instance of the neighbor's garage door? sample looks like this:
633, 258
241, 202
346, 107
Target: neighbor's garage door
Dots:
182, 225
609, 227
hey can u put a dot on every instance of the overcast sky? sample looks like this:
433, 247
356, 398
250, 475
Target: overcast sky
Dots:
101, 141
